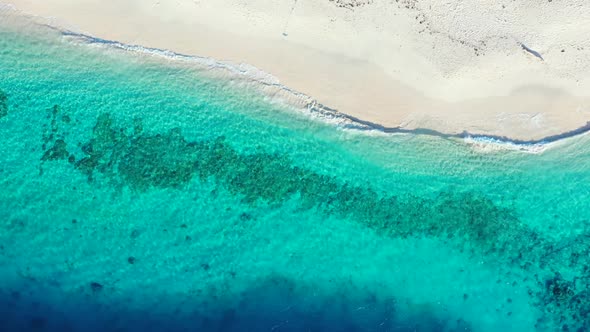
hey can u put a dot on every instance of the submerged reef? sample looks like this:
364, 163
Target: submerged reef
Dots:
54, 145
3, 104
128, 157
137, 160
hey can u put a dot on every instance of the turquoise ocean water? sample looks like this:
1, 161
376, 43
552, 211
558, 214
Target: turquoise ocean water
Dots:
143, 194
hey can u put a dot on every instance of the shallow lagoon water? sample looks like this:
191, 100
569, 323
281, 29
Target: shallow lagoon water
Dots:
149, 195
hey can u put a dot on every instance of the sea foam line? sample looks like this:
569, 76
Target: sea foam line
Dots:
311, 106
251, 73
327, 114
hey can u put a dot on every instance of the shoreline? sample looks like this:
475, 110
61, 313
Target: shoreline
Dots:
314, 107
357, 122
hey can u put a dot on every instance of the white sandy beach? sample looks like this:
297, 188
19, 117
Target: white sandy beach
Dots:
514, 68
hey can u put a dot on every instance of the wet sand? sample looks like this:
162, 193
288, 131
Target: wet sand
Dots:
494, 69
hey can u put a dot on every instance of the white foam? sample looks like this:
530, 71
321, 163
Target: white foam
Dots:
490, 145
301, 102
277, 92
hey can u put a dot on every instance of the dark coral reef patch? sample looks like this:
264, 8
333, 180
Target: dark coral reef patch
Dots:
54, 144
3, 104
131, 158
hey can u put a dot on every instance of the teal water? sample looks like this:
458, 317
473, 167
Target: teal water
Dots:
144, 194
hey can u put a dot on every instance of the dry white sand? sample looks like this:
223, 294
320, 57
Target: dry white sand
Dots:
516, 68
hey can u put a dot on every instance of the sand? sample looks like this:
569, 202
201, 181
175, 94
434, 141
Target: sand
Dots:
508, 68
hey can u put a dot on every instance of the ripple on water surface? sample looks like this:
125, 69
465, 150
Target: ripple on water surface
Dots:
140, 194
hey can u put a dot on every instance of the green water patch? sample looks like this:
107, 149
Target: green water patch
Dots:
128, 157
3, 104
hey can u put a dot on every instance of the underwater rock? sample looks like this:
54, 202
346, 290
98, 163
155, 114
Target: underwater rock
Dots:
3, 104
57, 152
54, 128
87, 165
96, 287
137, 126
568, 301
135, 233
140, 162
158, 161
559, 289
54, 143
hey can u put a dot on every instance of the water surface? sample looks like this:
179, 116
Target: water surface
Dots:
145, 194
